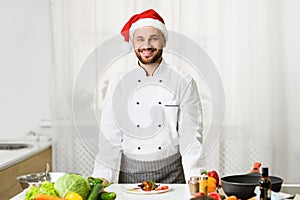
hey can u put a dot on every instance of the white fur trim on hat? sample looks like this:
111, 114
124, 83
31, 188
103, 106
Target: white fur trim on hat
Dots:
149, 22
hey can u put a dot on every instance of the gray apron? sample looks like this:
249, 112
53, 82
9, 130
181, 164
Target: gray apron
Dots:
168, 170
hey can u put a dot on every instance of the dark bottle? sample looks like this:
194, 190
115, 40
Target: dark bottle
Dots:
265, 185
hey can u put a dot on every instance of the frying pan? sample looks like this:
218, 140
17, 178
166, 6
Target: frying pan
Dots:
243, 186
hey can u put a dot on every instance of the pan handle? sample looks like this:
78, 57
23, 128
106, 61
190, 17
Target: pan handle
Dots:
255, 171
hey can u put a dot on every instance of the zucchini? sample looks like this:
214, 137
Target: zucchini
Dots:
97, 189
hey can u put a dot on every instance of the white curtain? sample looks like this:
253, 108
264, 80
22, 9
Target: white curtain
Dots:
241, 38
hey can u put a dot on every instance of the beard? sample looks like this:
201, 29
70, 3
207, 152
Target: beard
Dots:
151, 59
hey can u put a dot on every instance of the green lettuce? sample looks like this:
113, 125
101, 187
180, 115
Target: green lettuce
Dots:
72, 183
45, 188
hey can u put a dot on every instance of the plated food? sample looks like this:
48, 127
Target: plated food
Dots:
148, 187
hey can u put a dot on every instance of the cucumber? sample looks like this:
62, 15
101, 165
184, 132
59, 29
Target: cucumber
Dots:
108, 196
98, 187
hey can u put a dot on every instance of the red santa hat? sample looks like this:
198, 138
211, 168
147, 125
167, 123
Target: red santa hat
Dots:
146, 18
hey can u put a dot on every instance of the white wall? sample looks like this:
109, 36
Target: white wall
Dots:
291, 64
25, 60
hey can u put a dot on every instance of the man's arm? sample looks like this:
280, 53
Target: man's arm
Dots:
190, 130
107, 161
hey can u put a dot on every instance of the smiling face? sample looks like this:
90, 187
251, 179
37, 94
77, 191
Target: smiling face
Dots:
148, 43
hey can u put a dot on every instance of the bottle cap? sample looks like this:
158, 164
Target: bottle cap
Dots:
194, 179
204, 177
265, 171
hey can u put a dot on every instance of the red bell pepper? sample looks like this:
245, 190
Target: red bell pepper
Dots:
215, 175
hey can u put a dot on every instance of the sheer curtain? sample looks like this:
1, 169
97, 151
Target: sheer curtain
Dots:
239, 36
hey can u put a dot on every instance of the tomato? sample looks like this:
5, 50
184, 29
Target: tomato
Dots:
215, 195
164, 187
199, 194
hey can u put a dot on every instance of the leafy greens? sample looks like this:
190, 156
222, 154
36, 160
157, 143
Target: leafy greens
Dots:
45, 188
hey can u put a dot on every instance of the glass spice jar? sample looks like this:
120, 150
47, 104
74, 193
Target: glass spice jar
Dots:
194, 184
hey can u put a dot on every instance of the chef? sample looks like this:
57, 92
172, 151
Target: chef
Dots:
151, 122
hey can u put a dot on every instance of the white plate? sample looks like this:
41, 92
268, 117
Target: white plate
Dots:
135, 189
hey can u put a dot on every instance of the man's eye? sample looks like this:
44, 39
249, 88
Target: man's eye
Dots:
154, 39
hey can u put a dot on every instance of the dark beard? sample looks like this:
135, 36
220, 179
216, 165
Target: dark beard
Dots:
154, 59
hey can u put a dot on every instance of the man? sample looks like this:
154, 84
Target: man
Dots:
151, 123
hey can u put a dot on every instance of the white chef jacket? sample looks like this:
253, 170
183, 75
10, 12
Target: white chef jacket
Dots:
150, 118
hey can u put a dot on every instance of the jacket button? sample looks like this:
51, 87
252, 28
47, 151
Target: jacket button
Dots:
139, 148
159, 148
159, 125
138, 125
159, 102
160, 80
137, 103
139, 81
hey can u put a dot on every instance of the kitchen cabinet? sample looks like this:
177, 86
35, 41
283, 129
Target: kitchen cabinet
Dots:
36, 163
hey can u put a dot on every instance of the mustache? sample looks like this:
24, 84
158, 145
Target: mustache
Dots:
147, 49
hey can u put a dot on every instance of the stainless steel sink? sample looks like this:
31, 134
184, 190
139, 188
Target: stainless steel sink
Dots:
14, 146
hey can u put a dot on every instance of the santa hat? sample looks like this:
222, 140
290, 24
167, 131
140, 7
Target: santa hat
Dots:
146, 18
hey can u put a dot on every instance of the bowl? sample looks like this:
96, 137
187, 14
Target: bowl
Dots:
243, 186
36, 179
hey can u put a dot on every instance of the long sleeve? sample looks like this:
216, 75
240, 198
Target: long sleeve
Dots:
190, 130
107, 161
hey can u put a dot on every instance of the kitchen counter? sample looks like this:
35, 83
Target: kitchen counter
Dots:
177, 192
10, 157
16, 161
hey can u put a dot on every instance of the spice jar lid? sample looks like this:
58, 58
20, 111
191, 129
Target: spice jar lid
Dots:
194, 179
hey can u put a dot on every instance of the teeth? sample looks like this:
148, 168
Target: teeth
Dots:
147, 53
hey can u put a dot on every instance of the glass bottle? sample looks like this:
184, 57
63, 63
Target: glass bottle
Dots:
203, 187
265, 185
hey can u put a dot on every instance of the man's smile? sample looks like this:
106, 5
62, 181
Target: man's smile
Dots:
147, 52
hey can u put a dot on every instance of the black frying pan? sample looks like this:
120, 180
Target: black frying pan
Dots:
242, 186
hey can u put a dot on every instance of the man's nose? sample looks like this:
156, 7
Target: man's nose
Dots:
147, 44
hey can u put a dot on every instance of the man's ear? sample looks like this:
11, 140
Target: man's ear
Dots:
164, 41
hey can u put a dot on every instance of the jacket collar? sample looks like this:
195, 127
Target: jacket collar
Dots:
158, 69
